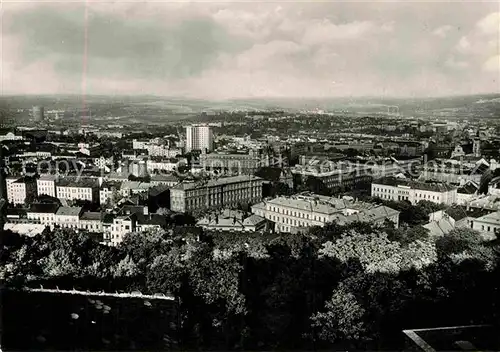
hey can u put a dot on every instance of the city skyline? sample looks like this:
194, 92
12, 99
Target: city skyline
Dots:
229, 50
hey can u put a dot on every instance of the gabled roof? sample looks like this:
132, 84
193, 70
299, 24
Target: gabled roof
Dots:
253, 220
69, 211
439, 228
151, 219
468, 188
131, 209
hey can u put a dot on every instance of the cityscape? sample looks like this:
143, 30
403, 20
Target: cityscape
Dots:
199, 185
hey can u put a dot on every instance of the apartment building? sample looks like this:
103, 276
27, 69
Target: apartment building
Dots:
246, 164
488, 225
82, 189
199, 137
91, 221
108, 190
333, 175
46, 184
216, 193
297, 213
391, 188
159, 164
68, 217
452, 171
166, 180
20, 189
42, 213
133, 219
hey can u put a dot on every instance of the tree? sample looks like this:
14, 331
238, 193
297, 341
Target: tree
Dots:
343, 318
378, 254
126, 268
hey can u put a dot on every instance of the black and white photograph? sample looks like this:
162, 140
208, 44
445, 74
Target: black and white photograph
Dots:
246, 175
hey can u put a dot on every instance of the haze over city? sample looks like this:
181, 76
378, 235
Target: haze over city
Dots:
227, 50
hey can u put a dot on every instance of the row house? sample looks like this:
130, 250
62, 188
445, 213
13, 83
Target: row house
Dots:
391, 188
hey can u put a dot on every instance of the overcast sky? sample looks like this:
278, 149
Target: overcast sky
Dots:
251, 49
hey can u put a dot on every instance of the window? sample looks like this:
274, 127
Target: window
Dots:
489, 229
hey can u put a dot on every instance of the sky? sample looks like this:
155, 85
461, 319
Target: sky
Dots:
235, 49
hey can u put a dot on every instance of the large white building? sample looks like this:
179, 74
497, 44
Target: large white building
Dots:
68, 217
82, 189
296, 213
46, 184
216, 193
488, 225
42, 213
391, 188
199, 137
19, 189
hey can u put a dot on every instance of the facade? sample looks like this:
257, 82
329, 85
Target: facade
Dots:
216, 193
129, 188
107, 191
391, 188
91, 221
68, 217
453, 171
488, 225
297, 213
46, 185
133, 219
199, 137
392, 167
246, 164
43, 213
20, 189
161, 165
83, 189
164, 180
333, 175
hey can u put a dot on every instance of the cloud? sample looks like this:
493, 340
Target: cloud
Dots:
235, 49
454, 64
442, 31
490, 24
492, 64
463, 45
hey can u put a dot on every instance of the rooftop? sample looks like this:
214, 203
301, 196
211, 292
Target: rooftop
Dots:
77, 182
457, 338
91, 215
396, 182
439, 228
216, 182
69, 211
46, 208
25, 229
331, 205
493, 218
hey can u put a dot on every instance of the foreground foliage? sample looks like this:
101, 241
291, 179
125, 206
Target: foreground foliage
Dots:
350, 286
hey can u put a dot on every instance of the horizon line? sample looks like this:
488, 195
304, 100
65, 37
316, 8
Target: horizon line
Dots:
249, 97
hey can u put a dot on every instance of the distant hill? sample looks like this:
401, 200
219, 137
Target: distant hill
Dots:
485, 105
